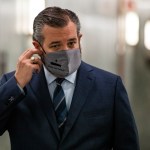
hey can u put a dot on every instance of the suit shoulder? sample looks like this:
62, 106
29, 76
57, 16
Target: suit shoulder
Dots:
100, 72
8, 75
104, 73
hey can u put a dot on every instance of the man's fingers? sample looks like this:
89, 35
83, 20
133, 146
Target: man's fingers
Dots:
31, 52
35, 59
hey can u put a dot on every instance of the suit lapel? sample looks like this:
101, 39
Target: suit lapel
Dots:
39, 86
84, 83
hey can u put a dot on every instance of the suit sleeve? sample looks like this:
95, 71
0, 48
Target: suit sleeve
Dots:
125, 131
10, 96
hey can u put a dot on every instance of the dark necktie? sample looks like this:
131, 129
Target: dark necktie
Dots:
60, 104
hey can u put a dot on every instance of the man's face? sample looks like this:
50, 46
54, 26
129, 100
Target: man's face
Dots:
64, 38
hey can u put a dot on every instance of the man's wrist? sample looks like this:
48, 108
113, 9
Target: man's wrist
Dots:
21, 89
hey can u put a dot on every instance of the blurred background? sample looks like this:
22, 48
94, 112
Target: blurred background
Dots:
116, 37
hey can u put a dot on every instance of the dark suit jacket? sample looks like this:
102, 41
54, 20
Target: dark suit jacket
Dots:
99, 118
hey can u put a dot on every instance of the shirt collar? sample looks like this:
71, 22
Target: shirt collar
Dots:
50, 77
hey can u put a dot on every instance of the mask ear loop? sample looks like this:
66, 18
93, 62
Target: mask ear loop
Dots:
42, 47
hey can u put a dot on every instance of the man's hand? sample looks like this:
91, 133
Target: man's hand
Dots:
27, 65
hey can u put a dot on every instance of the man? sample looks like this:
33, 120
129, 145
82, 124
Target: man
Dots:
87, 109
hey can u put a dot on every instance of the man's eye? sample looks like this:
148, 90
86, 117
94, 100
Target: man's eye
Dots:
71, 44
55, 46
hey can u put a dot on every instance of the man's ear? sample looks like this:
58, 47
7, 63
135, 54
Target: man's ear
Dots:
79, 39
36, 44
79, 36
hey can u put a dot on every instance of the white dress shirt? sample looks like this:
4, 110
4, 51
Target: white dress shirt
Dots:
68, 85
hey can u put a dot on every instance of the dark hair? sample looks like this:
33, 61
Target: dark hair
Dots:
54, 17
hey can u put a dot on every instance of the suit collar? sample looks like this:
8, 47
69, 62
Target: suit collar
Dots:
39, 87
83, 85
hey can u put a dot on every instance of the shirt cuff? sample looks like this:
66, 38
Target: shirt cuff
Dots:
21, 89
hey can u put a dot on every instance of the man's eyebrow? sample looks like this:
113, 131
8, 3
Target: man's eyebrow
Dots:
73, 39
55, 42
